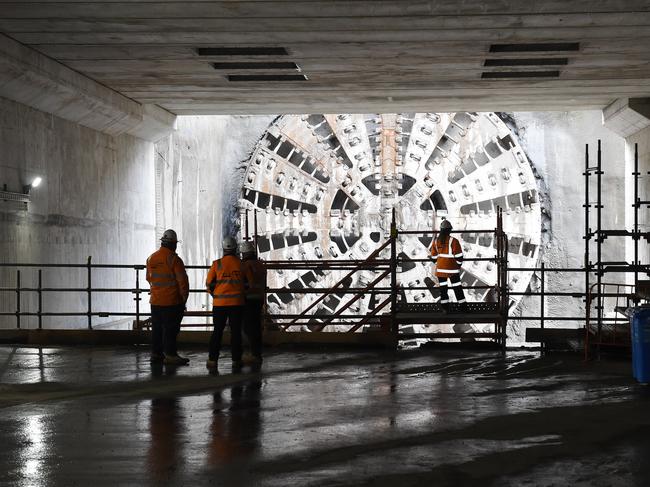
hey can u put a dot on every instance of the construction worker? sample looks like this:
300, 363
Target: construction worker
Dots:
225, 285
254, 274
447, 254
169, 292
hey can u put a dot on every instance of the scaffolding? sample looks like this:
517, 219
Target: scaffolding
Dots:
329, 308
600, 329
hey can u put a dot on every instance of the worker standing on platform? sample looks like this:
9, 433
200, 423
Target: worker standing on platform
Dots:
254, 274
169, 292
225, 285
447, 254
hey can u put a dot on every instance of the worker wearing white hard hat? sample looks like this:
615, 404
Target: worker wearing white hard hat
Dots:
254, 273
169, 288
225, 285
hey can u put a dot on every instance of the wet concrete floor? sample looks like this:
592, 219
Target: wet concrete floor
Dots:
99, 416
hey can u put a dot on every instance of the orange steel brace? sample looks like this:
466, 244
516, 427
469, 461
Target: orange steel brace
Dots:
335, 286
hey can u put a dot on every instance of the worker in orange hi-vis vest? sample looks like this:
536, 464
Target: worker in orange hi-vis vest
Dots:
254, 273
169, 288
447, 254
226, 286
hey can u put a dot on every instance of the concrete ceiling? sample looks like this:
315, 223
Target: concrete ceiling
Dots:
359, 56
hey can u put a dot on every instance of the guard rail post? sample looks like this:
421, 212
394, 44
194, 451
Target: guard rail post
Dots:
89, 292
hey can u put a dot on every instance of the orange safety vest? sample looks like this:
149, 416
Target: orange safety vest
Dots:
167, 278
226, 275
254, 274
448, 256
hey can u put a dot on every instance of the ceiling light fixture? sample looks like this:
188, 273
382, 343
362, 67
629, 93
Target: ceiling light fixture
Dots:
242, 51
266, 77
256, 65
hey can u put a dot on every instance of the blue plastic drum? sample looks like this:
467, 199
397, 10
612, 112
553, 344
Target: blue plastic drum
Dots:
640, 327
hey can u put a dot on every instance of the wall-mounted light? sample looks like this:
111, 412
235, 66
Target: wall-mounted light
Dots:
22, 197
34, 184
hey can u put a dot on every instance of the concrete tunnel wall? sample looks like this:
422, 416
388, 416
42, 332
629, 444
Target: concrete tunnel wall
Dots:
96, 199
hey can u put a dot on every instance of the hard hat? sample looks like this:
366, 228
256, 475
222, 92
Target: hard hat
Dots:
247, 247
229, 244
169, 237
446, 225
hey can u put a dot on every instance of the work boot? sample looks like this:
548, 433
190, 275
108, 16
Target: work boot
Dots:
212, 364
176, 360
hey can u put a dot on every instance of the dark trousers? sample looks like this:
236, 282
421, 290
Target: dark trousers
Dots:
165, 324
453, 281
253, 325
232, 315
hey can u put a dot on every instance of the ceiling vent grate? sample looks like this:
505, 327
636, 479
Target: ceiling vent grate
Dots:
555, 61
266, 77
256, 65
520, 74
536, 47
242, 51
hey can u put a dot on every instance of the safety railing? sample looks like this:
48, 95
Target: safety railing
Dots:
387, 292
20, 290
382, 288
334, 306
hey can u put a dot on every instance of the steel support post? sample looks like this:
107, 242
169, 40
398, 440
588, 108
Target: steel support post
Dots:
18, 299
393, 277
40, 299
599, 241
137, 297
587, 263
637, 205
89, 292
542, 301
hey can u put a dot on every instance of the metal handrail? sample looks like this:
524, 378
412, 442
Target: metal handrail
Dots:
137, 291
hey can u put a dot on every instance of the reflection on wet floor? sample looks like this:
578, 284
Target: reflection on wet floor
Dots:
165, 448
106, 417
236, 425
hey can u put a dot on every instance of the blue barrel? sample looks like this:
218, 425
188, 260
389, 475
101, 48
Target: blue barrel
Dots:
640, 327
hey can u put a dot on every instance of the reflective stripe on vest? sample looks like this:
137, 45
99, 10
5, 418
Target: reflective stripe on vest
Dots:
163, 280
447, 261
228, 282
